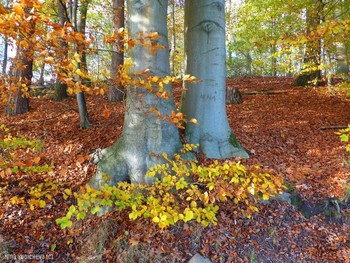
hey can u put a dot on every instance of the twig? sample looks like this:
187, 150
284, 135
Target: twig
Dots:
335, 127
263, 92
56, 116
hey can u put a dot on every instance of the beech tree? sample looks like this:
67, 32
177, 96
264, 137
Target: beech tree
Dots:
22, 69
205, 100
61, 87
312, 57
116, 91
145, 135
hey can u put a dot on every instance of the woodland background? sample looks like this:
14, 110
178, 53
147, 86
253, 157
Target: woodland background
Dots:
288, 59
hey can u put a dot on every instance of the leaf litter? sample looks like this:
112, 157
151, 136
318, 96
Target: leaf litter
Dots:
282, 129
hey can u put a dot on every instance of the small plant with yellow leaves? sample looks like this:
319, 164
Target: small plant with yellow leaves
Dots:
183, 190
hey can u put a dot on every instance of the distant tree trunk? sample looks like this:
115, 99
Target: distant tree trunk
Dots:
173, 39
41, 81
18, 98
145, 136
4, 60
273, 60
312, 57
116, 91
61, 87
347, 58
205, 100
83, 113
81, 47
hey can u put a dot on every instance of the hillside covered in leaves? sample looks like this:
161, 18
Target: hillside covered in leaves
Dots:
288, 129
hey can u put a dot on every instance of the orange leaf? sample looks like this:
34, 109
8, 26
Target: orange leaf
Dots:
106, 113
18, 9
37, 159
8, 171
63, 171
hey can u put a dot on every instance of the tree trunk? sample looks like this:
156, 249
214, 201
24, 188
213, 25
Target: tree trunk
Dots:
4, 60
205, 100
81, 48
18, 99
145, 136
312, 57
116, 90
60, 87
41, 81
83, 113
173, 39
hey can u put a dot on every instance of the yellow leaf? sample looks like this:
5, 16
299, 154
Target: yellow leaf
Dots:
156, 219
194, 121
68, 191
155, 79
49, 60
188, 215
265, 197
76, 57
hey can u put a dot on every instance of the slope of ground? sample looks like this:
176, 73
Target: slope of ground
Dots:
285, 128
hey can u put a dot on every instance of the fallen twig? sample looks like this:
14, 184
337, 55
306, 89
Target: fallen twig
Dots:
335, 127
263, 92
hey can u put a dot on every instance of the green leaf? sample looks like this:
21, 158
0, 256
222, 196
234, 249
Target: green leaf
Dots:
188, 215
81, 216
53, 247
344, 138
95, 209
133, 215
64, 222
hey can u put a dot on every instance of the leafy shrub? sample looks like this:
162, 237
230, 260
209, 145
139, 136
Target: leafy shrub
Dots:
21, 162
344, 135
182, 191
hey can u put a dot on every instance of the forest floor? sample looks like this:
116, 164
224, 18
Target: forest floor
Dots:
285, 128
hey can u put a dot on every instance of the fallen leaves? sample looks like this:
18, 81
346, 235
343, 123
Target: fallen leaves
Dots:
282, 132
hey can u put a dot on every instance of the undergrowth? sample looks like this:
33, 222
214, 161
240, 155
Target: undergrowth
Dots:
183, 190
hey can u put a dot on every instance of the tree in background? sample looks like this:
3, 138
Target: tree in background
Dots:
22, 68
116, 91
311, 71
205, 100
62, 50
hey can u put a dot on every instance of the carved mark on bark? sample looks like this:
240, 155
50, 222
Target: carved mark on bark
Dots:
139, 4
207, 97
220, 6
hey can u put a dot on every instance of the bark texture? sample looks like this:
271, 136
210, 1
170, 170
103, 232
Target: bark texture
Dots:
61, 87
23, 70
205, 100
312, 57
116, 91
145, 136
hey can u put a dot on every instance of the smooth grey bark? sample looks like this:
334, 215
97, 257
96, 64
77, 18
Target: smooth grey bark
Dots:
145, 136
4, 60
205, 100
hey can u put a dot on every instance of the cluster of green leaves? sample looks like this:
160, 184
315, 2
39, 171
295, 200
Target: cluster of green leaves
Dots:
20, 162
183, 190
19, 154
344, 135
